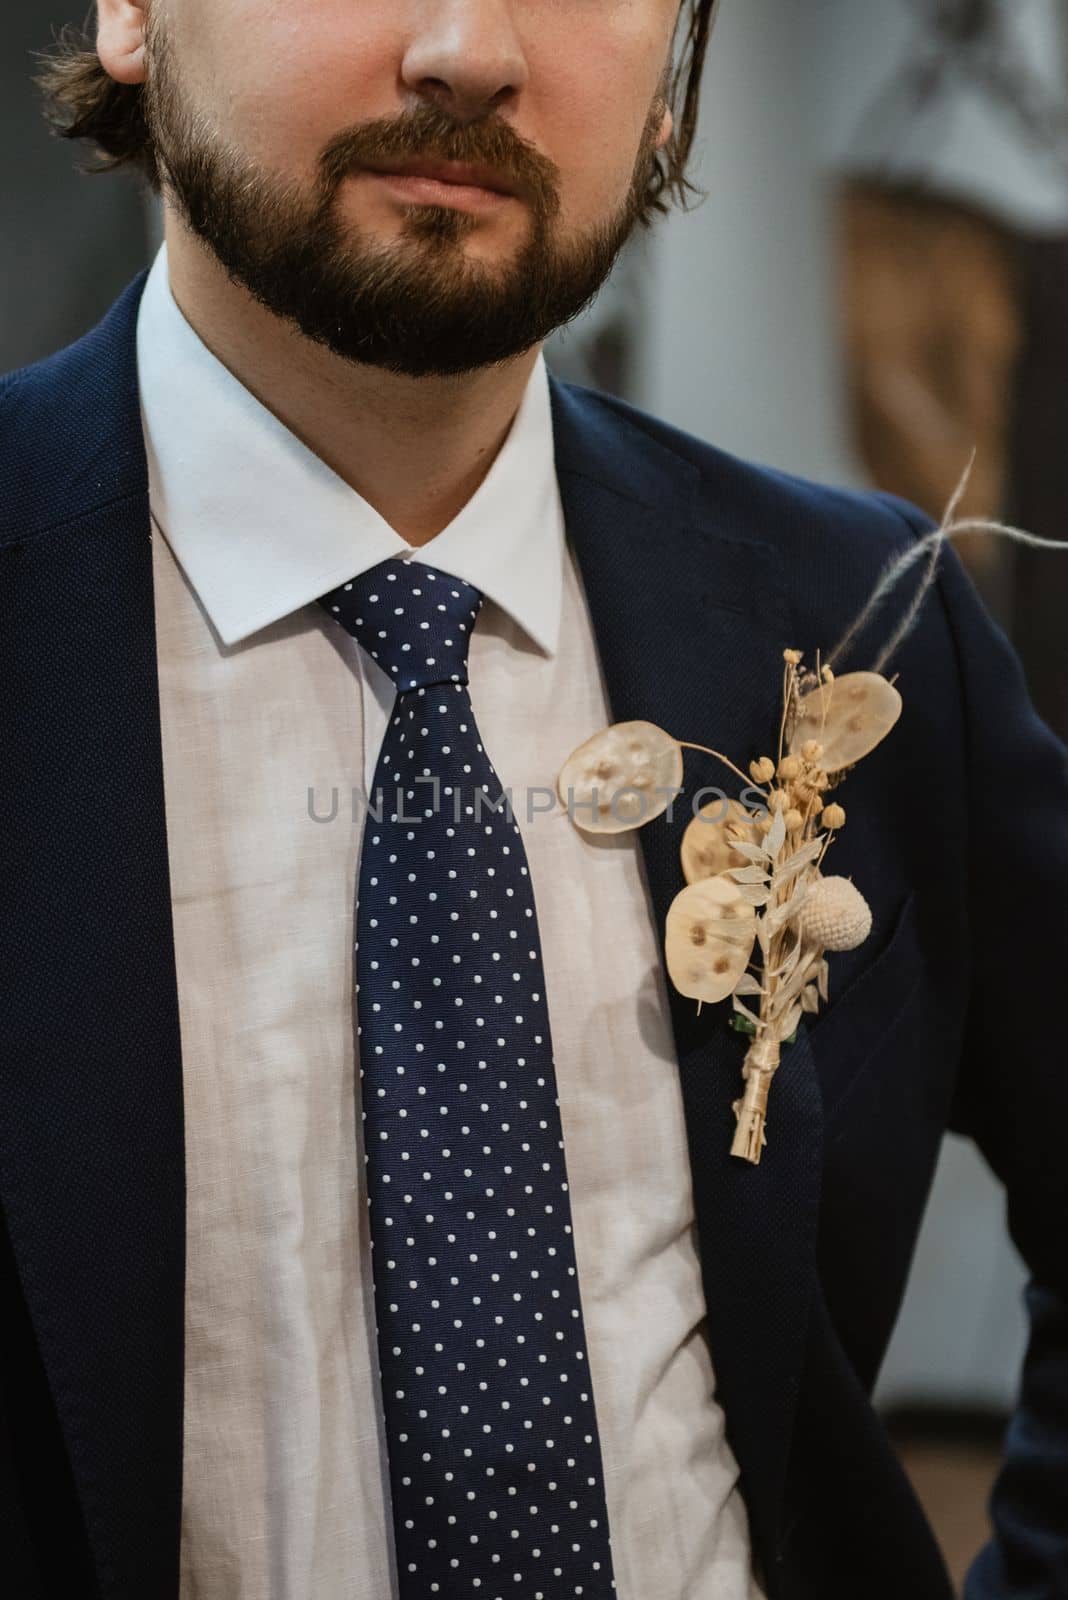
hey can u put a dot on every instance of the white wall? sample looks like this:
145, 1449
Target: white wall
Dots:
738, 341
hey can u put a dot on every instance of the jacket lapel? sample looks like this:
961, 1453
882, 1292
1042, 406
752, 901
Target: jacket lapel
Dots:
690, 616
91, 1128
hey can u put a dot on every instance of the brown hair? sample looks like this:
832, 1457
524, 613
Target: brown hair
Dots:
83, 102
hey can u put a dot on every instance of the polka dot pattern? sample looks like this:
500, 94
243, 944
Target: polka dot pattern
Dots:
495, 1465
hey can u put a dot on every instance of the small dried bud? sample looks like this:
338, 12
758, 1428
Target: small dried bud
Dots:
827, 674
762, 771
790, 768
764, 824
833, 816
777, 799
811, 749
794, 819
793, 657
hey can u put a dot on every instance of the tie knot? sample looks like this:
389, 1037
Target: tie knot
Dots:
413, 620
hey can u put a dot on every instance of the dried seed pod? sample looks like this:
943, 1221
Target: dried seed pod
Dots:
710, 933
611, 782
848, 716
835, 915
707, 849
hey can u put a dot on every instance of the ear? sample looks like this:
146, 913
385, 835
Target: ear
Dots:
120, 39
666, 125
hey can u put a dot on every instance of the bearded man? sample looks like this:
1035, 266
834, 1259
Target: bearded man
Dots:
370, 1222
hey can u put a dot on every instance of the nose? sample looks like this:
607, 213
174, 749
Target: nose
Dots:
465, 56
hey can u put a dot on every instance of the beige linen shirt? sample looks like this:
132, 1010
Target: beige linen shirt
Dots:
267, 709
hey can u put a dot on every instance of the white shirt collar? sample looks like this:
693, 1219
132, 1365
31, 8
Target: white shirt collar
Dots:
261, 526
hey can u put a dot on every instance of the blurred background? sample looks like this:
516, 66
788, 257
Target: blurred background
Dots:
876, 284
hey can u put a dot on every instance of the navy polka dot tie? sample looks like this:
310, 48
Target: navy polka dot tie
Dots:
495, 1464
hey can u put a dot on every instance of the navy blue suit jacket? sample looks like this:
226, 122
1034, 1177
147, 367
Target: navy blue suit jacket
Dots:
699, 569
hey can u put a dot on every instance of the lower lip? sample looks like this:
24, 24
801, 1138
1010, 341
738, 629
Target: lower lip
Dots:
415, 191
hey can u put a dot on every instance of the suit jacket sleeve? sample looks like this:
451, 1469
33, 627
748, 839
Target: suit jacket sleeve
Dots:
1012, 1085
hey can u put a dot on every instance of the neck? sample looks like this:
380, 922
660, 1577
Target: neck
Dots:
416, 449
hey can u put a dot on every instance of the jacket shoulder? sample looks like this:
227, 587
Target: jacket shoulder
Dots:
70, 429
745, 493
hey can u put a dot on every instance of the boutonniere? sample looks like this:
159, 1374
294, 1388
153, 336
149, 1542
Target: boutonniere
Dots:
758, 913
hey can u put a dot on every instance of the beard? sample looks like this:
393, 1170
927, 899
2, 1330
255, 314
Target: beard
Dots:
416, 305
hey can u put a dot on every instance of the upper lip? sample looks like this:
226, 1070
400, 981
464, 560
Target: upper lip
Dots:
447, 172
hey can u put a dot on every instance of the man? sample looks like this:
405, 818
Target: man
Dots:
306, 518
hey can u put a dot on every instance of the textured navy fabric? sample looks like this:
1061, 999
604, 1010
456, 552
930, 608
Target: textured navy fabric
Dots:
697, 568
495, 1464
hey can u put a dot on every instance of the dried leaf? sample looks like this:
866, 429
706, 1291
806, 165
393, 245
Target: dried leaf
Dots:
792, 986
611, 782
709, 939
810, 1000
780, 916
747, 874
788, 963
753, 894
776, 833
821, 979
748, 984
752, 852
801, 975
848, 716
800, 858
707, 850
744, 1010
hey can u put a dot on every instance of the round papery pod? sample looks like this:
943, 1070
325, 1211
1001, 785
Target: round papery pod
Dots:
848, 716
623, 767
835, 915
709, 938
706, 850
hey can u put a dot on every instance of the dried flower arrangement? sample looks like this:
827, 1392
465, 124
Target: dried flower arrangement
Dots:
758, 915
753, 876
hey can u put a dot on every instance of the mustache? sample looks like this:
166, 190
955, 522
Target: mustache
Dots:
432, 134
